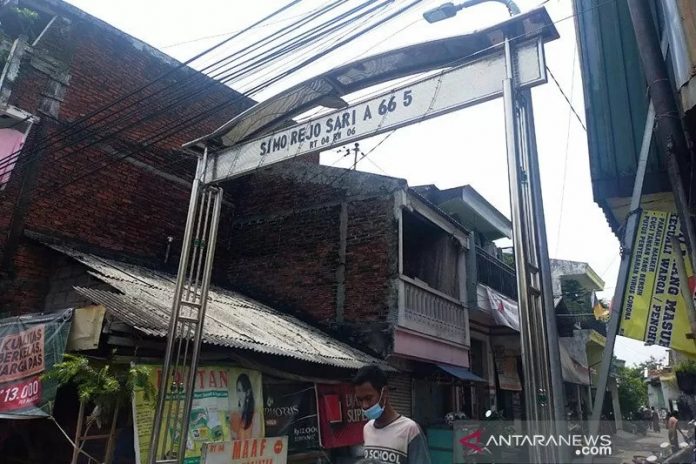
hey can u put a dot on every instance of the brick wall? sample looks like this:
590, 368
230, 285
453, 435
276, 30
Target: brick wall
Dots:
26, 292
66, 275
283, 248
124, 209
371, 259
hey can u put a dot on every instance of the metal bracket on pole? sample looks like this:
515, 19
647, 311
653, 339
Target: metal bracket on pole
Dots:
175, 395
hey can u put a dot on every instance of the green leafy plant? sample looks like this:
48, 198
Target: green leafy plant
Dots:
99, 383
688, 367
25, 14
17, 21
633, 392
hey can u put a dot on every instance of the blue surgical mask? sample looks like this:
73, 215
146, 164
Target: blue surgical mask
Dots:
375, 411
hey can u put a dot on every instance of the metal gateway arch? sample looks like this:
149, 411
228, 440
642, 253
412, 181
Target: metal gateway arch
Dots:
504, 60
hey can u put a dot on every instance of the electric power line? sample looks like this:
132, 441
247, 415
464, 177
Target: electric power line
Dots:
178, 85
169, 72
562, 19
572, 108
164, 110
567, 150
223, 34
151, 142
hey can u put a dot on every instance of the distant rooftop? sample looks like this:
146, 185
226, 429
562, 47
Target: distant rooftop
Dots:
471, 209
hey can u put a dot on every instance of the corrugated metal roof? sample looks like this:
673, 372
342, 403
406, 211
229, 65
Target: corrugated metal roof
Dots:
232, 320
616, 103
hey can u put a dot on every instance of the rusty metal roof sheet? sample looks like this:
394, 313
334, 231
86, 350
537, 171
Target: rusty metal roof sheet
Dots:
232, 320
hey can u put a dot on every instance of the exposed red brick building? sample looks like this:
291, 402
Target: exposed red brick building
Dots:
363, 256
74, 66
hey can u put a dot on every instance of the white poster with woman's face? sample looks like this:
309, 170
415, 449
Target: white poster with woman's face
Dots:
246, 405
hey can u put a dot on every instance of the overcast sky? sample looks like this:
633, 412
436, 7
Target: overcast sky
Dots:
466, 147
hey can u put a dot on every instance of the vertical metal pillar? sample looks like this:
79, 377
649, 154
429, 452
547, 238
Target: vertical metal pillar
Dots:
538, 336
557, 399
175, 396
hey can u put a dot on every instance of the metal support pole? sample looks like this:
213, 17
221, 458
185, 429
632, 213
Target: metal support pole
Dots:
542, 393
166, 367
537, 214
78, 433
186, 323
621, 281
203, 300
518, 239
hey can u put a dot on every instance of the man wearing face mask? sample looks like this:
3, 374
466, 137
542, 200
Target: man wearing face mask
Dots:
388, 437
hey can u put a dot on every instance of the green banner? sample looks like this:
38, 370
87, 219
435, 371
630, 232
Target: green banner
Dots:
227, 405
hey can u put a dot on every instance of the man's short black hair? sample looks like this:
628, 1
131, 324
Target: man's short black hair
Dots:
371, 374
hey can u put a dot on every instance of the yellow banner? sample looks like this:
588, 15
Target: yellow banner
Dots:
653, 309
227, 405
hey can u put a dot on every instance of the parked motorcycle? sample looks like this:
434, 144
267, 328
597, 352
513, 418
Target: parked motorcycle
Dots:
494, 424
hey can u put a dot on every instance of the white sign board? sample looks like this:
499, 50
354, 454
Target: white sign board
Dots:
449, 90
271, 450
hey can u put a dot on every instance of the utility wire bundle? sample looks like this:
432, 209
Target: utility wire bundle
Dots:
259, 65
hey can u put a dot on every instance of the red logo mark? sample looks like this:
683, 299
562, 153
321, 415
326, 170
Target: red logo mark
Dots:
472, 441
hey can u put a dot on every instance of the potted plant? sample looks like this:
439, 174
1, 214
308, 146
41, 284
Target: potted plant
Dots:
686, 376
102, 386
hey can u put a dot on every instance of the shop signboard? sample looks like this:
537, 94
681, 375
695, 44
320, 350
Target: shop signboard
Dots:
271, 450
227, 405
341, 419
29, 346
291, 409
412, 103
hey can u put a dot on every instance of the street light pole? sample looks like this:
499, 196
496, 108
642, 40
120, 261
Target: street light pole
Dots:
544, 399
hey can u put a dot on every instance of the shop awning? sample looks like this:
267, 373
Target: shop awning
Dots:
461, 373
142, 297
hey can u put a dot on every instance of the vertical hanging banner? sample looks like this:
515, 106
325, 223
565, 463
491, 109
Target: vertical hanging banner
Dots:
653, 308
503, 310
29, 346
291, 409
227, 405
341, 419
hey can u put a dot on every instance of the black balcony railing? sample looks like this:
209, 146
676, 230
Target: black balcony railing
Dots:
496, 274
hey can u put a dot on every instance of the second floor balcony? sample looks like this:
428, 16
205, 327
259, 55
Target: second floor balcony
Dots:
429, 311
496, 274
